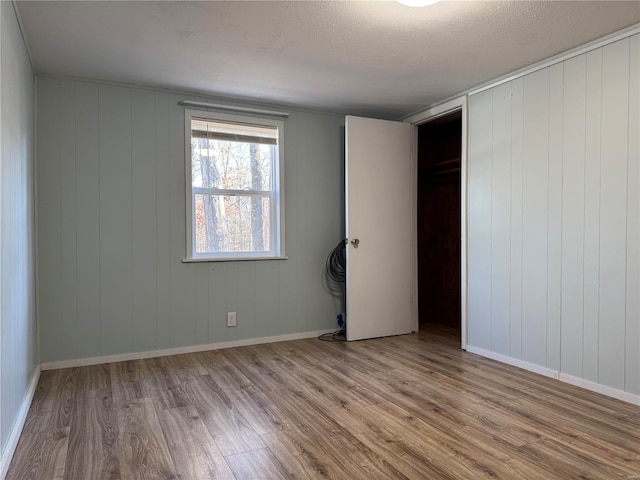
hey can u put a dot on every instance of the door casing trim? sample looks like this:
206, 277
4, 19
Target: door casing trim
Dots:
457, 104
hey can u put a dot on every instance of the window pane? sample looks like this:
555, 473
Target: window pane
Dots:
231, 165
234, 198
232, 224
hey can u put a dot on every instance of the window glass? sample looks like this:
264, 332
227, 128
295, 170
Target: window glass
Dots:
234, 199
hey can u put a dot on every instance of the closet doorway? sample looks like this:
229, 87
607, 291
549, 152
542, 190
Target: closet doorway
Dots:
439, 221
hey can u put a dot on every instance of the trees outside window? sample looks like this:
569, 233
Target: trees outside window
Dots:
234, 196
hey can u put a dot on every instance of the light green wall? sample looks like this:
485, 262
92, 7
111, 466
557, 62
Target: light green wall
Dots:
111, 228
18, 358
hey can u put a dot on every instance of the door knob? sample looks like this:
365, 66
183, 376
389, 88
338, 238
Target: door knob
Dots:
355, 242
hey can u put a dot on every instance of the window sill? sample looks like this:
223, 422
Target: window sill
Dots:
230, 259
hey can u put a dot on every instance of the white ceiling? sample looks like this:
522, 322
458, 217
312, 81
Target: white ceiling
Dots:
375, 58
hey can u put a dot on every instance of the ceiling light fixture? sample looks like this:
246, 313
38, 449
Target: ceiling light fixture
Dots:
417, 3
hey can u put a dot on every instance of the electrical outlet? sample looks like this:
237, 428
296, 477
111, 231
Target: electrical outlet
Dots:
231, 319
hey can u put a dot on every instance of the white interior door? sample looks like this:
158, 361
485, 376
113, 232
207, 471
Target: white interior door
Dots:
379, 227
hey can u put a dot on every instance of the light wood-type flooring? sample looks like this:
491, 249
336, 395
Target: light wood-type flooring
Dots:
413, 406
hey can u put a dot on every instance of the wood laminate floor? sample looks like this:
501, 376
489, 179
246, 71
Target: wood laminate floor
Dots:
408, 407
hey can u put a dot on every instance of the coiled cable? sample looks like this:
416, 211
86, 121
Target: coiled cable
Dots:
337, 263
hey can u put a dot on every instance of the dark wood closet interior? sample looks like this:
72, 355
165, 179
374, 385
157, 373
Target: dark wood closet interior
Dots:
439, 149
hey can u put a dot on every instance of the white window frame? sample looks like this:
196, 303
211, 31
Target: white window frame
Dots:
276, 194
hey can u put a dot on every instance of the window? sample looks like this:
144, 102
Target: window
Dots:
234, 180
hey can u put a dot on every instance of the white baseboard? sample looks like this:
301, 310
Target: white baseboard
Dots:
81, 362
547, 372
12, 442
599, 388
563, 377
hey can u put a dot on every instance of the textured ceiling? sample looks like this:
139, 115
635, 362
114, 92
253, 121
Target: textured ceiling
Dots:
375, 58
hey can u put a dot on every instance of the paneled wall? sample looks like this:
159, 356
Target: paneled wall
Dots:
18, 341
111, 229
554, 216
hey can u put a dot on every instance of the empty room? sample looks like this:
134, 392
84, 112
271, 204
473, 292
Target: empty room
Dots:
352, 240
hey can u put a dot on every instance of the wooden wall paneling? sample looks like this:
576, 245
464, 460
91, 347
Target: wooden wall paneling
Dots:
632, 350
554, 240
323, 231
267, 283
294, 190
183, 315
613, 212
301, 180
479, 248
218, 301
18, 357
246, 310
27, 339
535, 216
573, 215
232, 300
9, 160
592, 169
202, 302
18, 320
332, 161
88, 219
126, 206
144, 219
116, 288
310, 156
314, 308
10, 163
163, 222
68, 215
517, 135
49, 225
500, 220
337, 219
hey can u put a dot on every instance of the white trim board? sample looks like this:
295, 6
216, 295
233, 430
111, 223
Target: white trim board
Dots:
562, 377
82, 362
602, 389
14, 437
516, 362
